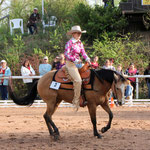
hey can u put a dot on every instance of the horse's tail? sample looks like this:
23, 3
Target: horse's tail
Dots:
27, 100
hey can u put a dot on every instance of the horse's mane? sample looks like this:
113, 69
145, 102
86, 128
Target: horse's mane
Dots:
108, 75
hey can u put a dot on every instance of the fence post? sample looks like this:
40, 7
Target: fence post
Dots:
137, 88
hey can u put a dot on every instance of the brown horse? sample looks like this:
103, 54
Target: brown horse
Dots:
103, 81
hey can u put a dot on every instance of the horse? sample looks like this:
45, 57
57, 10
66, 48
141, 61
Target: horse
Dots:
103, 81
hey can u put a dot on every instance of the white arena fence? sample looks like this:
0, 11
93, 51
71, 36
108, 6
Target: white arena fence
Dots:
40, 103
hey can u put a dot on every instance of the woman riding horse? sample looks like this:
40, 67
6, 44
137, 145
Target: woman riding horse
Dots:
103, 81
73, 49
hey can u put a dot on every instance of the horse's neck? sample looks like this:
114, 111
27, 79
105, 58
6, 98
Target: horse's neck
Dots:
102, 88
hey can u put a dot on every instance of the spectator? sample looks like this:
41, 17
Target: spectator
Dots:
107, 64
111, 64
95, 64
131, 71
129, 88
55, 62
4, 72
147, 72
32, 22
119, 69
61, 62
44, 67
106, 2
27, 70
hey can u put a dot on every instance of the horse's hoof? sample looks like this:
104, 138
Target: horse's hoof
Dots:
99, 136
56, 137
104, 129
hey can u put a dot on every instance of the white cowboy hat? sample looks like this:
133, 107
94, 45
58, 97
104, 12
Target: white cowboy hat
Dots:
75, 29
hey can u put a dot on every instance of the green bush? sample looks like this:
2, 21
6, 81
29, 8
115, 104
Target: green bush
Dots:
97, 20
122, 50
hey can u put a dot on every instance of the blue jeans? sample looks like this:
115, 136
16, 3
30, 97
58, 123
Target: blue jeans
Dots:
128, 91
148, 85
105, 4
4, 92
34, 26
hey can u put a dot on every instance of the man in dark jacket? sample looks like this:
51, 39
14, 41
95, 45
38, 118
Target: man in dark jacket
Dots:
107, 1
147, 72
34, 18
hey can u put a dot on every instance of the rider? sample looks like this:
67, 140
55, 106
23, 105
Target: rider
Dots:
73, 49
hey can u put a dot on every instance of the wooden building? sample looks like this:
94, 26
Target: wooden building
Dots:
137, 13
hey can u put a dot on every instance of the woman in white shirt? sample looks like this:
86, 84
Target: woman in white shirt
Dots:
27, 70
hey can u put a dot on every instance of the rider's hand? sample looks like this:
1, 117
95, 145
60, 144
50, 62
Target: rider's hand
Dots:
89, 62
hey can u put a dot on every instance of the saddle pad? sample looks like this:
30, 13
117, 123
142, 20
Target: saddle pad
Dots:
67, 84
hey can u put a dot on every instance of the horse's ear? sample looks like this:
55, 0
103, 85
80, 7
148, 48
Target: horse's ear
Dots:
116, 78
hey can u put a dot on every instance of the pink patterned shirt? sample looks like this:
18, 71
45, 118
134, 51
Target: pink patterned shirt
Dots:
73, 49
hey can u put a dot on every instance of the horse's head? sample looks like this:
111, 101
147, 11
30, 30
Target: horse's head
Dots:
119, 85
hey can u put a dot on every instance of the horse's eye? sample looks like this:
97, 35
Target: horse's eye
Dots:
117, 88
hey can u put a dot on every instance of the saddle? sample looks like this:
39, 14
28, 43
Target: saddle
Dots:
66, 83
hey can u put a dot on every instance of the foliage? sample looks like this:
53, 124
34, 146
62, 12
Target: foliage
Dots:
62, 9
98, 20
124, 1
122, 50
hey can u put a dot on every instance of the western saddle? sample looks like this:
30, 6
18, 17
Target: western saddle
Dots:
66, 83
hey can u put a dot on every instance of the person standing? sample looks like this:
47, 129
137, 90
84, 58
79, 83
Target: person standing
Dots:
27, 70
111, 60
32, 22
4, 72
131, 71
106, 2
44, 67
73, 49
95, 64
147, 72
107, 64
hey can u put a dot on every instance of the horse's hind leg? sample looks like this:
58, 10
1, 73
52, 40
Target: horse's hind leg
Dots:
46, 117
106, 107
92, 112
53, 130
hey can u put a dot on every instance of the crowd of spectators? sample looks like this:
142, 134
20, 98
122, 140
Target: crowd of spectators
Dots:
59, 61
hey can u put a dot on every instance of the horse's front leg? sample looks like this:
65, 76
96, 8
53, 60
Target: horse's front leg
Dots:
92, 112
106, 107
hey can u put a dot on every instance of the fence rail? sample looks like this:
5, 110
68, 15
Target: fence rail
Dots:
40, 103
38, 77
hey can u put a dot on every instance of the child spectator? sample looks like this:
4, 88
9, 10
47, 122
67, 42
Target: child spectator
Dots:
34, 18
119, 69
44, 67
129, 88
131, 71
111, 64
147, 72
4, 72
27, 70
95, 64
107, 64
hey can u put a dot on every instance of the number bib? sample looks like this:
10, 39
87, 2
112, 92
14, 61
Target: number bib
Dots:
55, 85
